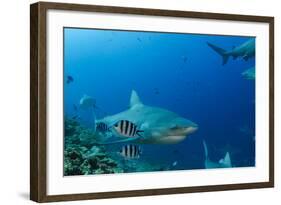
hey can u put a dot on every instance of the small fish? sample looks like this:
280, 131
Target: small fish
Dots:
102, 127
130, 151
139, 39
126, 128
156, 91
69, 79
184, 58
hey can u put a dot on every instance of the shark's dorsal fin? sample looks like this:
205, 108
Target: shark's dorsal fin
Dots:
134, 100
226, 161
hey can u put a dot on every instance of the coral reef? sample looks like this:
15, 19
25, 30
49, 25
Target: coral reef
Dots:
81, 154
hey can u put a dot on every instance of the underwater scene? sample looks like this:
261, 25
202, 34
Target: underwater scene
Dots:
138, 101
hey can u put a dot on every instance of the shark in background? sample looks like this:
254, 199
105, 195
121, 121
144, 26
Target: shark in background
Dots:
249, 74
223, 163
245, 51
87, 102
157, 125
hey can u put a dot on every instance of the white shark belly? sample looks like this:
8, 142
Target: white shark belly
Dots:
161, 140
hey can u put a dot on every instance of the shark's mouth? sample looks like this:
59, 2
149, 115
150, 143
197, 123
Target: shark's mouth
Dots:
173, 136
178, 131
180, 134
171, 139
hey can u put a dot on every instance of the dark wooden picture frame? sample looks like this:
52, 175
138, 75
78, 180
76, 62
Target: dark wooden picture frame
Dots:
38, 101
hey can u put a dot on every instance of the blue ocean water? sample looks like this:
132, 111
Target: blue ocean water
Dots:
177, 72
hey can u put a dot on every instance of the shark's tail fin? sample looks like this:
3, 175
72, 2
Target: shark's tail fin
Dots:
226, 161
205, 149
221, 52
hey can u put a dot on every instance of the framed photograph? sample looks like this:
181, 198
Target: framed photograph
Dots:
134, 102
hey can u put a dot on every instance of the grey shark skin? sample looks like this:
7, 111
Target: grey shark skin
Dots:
245, 51
223, 163
159, 126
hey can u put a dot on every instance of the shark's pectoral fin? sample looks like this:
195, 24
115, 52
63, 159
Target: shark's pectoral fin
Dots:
224, 59
246, 57
139, 133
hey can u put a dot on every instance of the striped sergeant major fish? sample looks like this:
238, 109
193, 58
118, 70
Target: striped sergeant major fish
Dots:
126, 128
130, 151
102, 127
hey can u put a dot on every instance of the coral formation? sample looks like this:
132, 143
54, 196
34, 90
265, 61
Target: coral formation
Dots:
81, 154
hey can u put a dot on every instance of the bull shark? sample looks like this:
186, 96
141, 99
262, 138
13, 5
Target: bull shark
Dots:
159, 126
223, 163
246, 50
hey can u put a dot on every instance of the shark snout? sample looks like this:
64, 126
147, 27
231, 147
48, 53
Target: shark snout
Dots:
183, 130
175, 134
191, 129
187, 130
